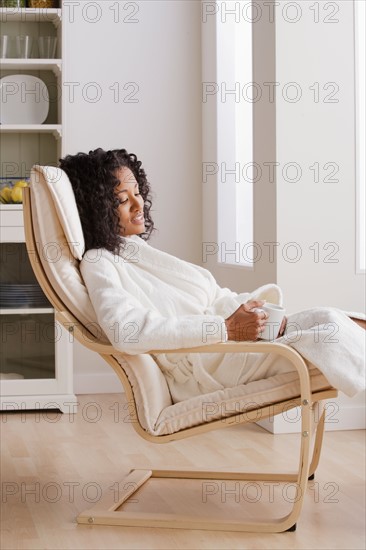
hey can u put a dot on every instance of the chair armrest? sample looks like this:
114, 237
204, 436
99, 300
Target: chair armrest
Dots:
90, 341
85, 337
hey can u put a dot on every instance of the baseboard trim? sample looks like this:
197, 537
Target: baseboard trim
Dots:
66, 403
97, 383
349, 417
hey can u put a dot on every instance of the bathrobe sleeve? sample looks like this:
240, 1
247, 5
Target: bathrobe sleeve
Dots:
134, 329
225, 301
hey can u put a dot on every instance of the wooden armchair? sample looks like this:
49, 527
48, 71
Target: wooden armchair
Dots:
51, 216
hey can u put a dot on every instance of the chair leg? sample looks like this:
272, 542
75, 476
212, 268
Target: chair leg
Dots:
106, 511
318, 442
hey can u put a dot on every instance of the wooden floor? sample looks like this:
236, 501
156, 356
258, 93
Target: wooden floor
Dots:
54, 466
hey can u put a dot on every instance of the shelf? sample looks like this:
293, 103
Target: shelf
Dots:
26, 310
11, 206
37, 15
54, 129
32, 65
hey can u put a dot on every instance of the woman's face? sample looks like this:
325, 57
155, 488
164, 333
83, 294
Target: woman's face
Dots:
131, 208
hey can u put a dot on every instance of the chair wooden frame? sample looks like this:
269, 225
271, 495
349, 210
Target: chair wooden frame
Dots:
106, 512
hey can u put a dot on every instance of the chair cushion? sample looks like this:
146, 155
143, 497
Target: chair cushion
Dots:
228, 402
56, 256
150, 394
64, 201
150, 389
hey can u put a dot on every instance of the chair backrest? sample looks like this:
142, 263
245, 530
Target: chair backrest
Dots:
59, 241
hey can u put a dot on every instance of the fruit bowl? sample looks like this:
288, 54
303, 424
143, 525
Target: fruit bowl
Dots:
11, 190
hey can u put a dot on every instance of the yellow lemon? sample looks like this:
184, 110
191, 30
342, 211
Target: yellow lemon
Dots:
5, 194
21, 183
17, 194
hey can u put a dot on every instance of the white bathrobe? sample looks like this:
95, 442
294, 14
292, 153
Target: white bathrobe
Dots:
147, 299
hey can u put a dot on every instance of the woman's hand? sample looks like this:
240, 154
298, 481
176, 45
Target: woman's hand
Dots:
246, 323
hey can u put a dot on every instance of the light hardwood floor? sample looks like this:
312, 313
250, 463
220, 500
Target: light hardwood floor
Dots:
54, 466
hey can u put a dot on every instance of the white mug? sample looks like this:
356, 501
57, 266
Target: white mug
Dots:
273, 324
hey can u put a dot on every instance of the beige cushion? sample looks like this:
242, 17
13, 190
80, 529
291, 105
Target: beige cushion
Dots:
150, 394
57, 258
230, 401
63, 197
150, 389
60, 244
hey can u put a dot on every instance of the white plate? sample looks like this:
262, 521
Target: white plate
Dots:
24, 99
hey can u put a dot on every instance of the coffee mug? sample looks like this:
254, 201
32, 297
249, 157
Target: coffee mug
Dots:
273, 324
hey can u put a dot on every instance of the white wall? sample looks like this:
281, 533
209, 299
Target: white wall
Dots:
310, 132
160, 54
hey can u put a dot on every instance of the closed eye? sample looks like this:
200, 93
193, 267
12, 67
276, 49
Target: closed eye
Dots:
123, 202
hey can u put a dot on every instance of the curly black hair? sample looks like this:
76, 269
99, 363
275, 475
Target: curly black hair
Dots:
93, 178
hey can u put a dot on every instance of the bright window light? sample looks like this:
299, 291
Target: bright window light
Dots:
235, 135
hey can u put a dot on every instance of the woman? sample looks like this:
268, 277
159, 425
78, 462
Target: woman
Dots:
146, 299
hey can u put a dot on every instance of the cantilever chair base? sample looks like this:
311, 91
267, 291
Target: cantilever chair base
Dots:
106, 511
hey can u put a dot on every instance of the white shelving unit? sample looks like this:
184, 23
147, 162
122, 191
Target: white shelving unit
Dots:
36, 351
33, 65
54, 129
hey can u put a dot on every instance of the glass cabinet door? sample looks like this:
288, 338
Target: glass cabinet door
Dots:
36, 352
27, 325
27, 346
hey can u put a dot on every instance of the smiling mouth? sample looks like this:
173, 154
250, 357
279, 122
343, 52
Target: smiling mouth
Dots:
139, 219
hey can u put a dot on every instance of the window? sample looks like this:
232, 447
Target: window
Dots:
235, 134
